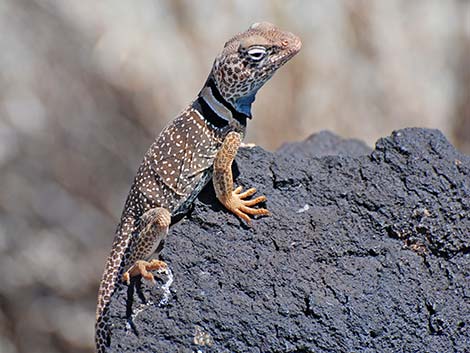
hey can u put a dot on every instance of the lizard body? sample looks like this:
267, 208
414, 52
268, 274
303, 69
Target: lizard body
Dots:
200, 144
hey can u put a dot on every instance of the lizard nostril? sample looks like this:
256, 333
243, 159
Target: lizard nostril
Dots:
285, 43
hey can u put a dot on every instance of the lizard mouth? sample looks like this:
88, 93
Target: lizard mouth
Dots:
292, 45
297, 45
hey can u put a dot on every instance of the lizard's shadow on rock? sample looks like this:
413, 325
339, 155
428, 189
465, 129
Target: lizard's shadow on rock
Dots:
209, 200
134, 287
207, 194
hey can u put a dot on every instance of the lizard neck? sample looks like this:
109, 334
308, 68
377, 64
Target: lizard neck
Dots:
243, 104
218, 111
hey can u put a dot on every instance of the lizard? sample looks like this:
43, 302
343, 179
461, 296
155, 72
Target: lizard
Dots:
199, 144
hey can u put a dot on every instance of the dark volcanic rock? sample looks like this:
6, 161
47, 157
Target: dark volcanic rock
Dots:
363, 253
322, 144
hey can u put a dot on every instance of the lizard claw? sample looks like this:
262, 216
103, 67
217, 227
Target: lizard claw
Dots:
242, 208
142, 268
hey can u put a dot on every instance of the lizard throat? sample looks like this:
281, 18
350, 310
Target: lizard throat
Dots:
216, 110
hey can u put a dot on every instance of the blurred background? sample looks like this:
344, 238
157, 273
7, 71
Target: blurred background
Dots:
86, 85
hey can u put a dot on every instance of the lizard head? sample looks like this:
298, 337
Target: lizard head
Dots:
249, 59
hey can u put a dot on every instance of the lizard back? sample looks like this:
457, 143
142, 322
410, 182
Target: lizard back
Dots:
176, 166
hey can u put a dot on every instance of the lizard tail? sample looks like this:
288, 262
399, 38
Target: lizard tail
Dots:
107, 288
109, 282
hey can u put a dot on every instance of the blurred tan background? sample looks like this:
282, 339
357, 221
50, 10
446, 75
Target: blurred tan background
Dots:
86, 85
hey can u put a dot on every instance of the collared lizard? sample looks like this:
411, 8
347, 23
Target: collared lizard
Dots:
200, 144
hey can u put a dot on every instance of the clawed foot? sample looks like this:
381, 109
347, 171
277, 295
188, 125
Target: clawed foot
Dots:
241, 207
142, 268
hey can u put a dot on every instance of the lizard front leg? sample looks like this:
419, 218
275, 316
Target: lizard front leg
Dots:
233, 200
154, 225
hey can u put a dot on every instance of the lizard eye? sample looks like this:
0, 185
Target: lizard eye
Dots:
257, 53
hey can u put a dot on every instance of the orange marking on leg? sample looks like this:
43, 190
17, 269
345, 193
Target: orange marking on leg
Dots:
254, 201
253, 211
142, 268
242, 207
247, 193
233, 199
242, 215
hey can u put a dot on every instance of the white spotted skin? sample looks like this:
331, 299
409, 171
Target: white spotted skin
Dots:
175, 169
175, 165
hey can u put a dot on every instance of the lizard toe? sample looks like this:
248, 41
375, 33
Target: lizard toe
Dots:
247, 193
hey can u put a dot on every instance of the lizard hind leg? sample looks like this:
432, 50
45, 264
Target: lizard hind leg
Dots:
154, 228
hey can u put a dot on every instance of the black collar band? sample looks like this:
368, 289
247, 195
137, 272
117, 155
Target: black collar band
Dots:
210, 115
240, 117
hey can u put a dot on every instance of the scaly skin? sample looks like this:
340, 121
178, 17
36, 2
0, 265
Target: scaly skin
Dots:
200, 143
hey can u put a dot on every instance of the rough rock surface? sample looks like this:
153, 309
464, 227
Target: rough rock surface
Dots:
365, 252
